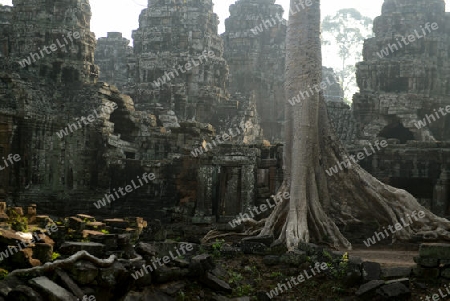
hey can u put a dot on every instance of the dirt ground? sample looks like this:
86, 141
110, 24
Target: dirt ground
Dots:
387, 258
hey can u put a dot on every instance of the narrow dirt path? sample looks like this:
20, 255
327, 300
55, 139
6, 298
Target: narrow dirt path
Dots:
386, 257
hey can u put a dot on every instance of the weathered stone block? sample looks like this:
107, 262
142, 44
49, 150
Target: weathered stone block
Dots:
51, 290
368, 289
371, 271
395, 272
84, 272
95, 249
117, 223
429, 274
43, 252
76, 223
22, 292
434, 250
271, 260
200, 264
394, 290
215, 283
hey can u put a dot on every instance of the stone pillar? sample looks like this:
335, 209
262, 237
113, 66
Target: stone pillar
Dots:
441, 192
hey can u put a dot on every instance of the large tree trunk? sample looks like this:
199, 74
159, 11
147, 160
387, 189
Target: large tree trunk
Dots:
317, 201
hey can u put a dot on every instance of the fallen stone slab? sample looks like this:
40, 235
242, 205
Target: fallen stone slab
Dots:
394, 290
215, 283
146, 249
404, 281
72, 247
51, 290
86, 218
70, 284
200, 264
369, 288
23, 292
117, 223
427, 262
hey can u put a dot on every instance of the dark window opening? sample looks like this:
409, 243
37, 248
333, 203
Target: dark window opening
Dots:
130, 155
397, 131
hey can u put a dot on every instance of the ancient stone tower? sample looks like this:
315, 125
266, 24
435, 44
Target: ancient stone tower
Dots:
255, 51
405, 75
52, 39
178, 59
111, 55
404, 84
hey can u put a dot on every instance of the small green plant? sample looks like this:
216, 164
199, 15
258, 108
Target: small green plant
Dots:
276, 275
327, 255
17, 222
181, 296
217, 246
3, 274
244, 290
55, 256
104, 231
235, 278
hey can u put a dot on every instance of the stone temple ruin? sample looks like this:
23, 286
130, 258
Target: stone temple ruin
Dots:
204, 113
166, 122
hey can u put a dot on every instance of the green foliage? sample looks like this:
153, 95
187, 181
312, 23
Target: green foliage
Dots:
104, 231
17, 222
3, 274
235, 278
217, 246
181, 296
340, 270
55, 256
327, 255
276, 275
244, 290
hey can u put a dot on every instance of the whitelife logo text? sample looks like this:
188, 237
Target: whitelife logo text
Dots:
411, 38
398, 227
262, 208
35, 56
110, 197
360, 156
166, 259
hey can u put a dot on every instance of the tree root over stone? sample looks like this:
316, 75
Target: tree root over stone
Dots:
63, 263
